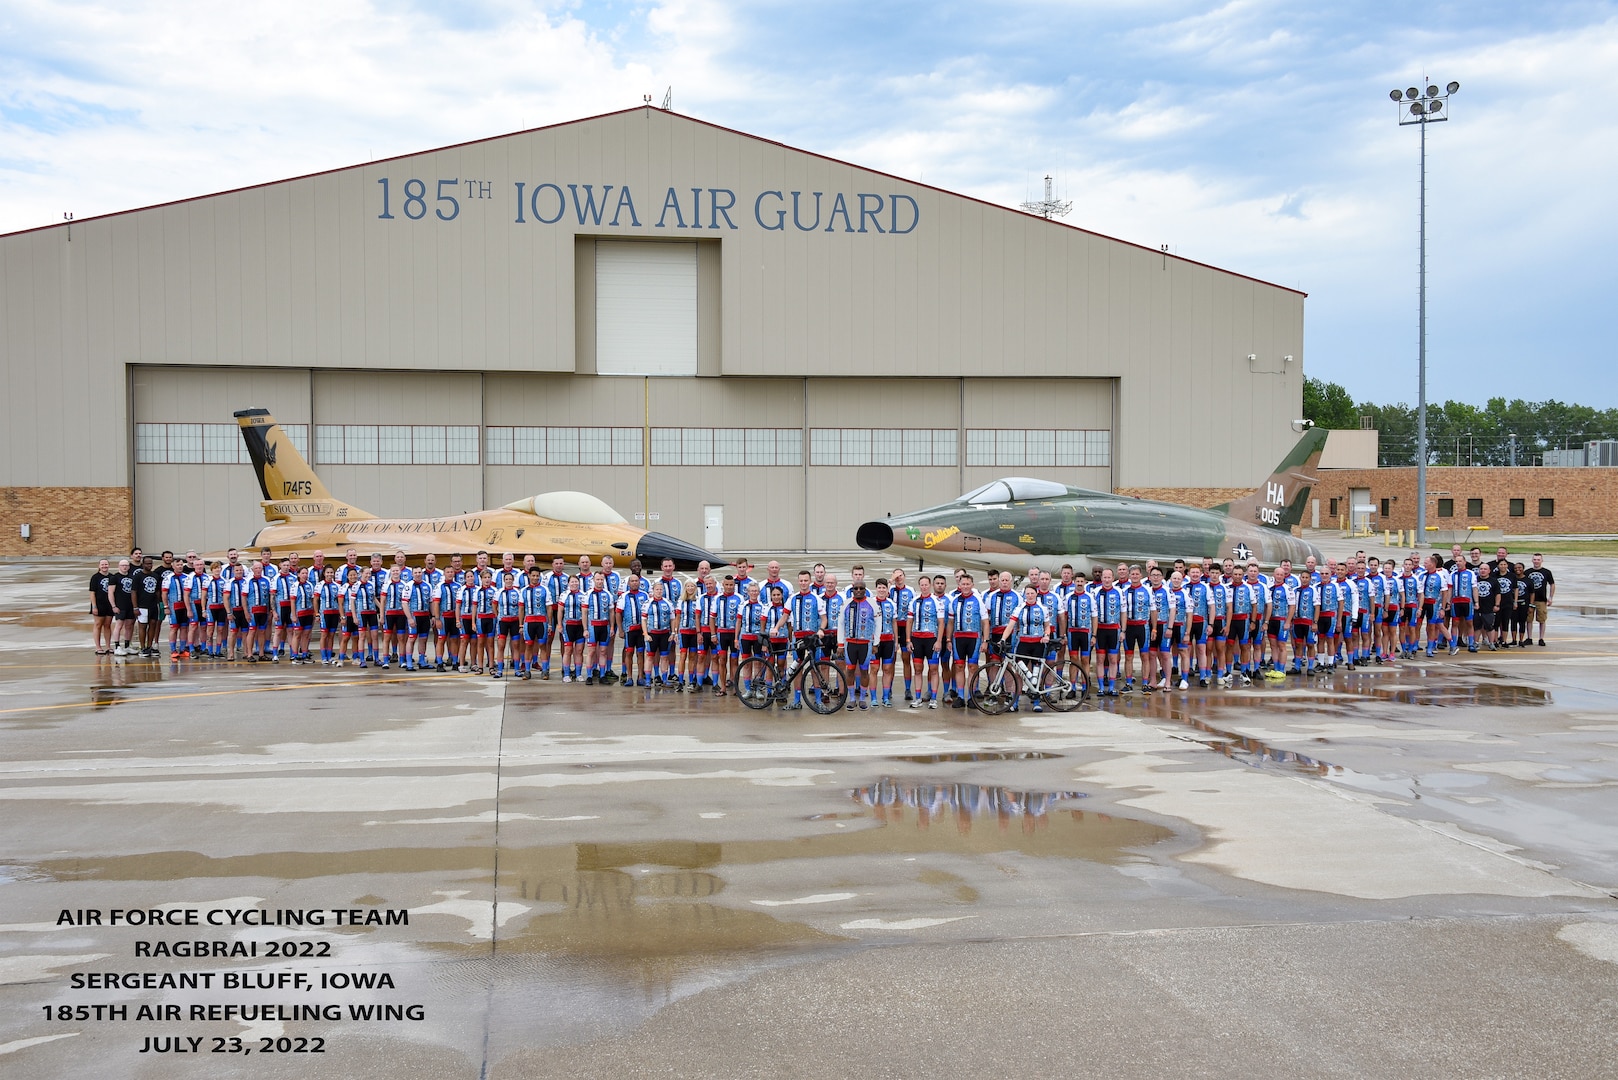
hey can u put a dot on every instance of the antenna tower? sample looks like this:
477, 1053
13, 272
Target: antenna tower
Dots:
1049, 204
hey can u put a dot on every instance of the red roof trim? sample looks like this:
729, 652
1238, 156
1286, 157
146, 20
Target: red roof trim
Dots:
649, 109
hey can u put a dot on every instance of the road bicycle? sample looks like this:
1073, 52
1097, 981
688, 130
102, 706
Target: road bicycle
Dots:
1005, 678
761, 682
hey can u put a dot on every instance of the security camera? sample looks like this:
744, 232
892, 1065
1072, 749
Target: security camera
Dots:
1302, 425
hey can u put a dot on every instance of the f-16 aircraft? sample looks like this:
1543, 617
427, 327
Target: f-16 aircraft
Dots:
1016, 522
303, 517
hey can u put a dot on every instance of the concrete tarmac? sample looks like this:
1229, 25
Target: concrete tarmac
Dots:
1403, 871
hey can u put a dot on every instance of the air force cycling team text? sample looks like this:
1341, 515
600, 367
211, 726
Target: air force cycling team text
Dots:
233, 917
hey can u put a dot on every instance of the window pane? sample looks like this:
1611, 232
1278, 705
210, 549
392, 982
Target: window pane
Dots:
665, 446
945, 443
856, 446
885, 448
729, 446
219, 443
825, 446
359, 444
1547, 507
761, 446
1446, 507
789, 447
151, 444
498, 442
979, 447
328, 444
461, 444
1517, 508
427, 445
918, 447
1474, 508
393, 444
696, 446
528, 446
1041, 448
626, 446
595, 446
1008, 447
561, 446
185, 444
1070, 448
1098, 448
298, 433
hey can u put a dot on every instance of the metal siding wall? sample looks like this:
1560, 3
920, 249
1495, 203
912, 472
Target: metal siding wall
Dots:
303, 273
401, 398
207, 507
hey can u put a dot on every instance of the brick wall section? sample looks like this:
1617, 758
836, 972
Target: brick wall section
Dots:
1202, 498
66, 521
1586, 500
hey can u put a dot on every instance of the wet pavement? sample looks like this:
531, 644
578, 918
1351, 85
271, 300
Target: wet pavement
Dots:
1404, 871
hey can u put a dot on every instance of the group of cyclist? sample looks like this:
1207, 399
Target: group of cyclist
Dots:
1215, 622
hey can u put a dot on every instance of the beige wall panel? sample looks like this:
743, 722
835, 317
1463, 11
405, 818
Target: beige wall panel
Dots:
208, 507
910, 403
840, 499
1039, 403
396, 397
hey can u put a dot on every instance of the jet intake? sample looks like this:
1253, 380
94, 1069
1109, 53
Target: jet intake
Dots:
874, 536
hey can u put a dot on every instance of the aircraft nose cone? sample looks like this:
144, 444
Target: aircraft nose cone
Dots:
874, 536
654, 547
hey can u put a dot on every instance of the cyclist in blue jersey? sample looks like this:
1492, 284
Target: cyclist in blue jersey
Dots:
902, 595
965, 627
659, 622
1077, 626
927, 614
631, 626
1030, 624
1463, 595
600, 603
688, 614
419, 620
859, 627
726, 609
752, 629
329, 612
887, 625
1137, 627
572, 613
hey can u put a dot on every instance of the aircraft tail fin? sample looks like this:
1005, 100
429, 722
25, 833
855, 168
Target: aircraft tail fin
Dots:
1279, 502
291, 488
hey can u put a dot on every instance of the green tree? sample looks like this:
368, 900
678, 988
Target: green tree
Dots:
1329, 405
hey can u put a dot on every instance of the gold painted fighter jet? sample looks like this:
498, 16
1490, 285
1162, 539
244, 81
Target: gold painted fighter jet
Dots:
303, 517
1016, 522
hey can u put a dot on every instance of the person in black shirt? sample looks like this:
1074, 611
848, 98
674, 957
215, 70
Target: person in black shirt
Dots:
101, 607
149, 602
1541, 592
1519, 622
1487, 604
121, 586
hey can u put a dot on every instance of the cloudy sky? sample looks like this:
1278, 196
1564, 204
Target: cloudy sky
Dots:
1253, 135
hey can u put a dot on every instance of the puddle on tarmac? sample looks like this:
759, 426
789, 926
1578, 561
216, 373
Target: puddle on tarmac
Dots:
980, 755
1464, 695
1585, 609
1251, 751
635, 901
50, 620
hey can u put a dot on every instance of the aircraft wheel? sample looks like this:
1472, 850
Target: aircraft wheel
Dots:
755, 683
989, 698
825, 690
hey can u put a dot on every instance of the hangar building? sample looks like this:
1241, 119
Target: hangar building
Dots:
753, 346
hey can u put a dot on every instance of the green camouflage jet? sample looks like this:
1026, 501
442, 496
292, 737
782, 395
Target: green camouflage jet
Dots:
1014, 523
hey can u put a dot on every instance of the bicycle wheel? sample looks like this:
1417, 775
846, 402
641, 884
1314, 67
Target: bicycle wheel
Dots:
755, 683
824, 688
1072, 687
991, 695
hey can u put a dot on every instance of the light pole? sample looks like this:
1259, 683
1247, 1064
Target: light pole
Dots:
1416, 107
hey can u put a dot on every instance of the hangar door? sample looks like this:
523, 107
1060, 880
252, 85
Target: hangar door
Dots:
194, 485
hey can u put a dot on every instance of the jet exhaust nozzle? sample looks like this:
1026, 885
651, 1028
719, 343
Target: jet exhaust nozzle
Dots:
874, 536
654, 547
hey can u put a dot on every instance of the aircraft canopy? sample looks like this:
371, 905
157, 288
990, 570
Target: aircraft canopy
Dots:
1014, 489
574, 506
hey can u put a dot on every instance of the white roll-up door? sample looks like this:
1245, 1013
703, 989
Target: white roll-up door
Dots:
646, 308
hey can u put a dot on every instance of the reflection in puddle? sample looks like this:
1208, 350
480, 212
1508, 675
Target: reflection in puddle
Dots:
1254, 752
966, 801
1480, 695
980, 755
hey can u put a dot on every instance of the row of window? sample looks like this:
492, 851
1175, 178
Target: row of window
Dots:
1474, 508
1514, 507
202, 444
396, 444
439, 444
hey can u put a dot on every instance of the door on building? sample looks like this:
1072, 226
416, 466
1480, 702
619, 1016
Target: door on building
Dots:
713, 528
1360, 510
